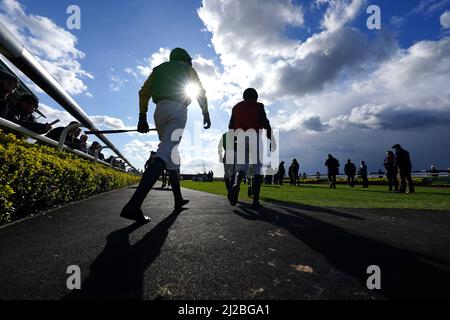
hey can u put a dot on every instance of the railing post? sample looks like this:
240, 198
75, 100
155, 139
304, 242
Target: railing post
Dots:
64, 133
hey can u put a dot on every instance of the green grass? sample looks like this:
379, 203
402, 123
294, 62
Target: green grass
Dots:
343, 197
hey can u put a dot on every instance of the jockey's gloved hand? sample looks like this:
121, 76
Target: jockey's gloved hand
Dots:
206, 120
142, 124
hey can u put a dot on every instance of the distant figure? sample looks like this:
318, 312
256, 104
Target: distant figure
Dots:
281, 173
363, 173
333, 170
391, 170
22, 114
350, 172
318, 175
8, 84
404, 166
305, 176
293, 173
71, 141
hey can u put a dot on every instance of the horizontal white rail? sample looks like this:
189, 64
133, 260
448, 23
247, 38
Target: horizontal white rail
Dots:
5, 124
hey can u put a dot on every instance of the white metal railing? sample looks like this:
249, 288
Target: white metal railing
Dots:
18, 55
41, 138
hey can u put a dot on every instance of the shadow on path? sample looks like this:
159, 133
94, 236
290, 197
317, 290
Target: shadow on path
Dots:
118, 272
306, 207
404, 274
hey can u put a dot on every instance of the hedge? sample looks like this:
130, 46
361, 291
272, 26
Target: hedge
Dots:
35, 177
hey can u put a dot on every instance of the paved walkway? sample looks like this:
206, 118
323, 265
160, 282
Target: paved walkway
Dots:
215, 251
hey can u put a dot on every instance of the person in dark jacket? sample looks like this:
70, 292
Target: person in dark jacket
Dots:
363, 173
350, 171
333, 170
391, 170
72, 140
281, 173
8, 84
247, 116
293, 173
94, 148
22, 114
404, 166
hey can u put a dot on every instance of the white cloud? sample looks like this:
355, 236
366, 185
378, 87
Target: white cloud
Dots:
337, 82
146, 67
53, 46
117, 83
340, 12
445, 20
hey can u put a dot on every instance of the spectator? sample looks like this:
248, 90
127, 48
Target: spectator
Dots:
333, 170
404, 166
391, 170
281, 173
22, 114
350, 171
363, 174
293, 173
318, 175
94, 148
71, 141
305, 176
83, 144
8, 84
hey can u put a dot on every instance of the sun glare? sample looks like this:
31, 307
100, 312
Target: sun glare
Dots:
192, 90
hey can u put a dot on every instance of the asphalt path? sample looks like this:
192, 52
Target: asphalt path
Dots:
215, 251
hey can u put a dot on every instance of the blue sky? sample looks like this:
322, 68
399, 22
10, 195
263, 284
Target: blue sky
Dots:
330, 85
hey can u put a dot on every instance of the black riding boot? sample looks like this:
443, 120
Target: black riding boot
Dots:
174, 180
228, 184
132, 209
233, 194
256, 191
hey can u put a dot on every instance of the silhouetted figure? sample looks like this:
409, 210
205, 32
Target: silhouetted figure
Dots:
94, 148
22, 114
8, 84
293, 173
318, 175
249, 116
363, 173
167, 86
391, 170
333, 170
350, 171
404, 166
72, 140
281, 173
305, 176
